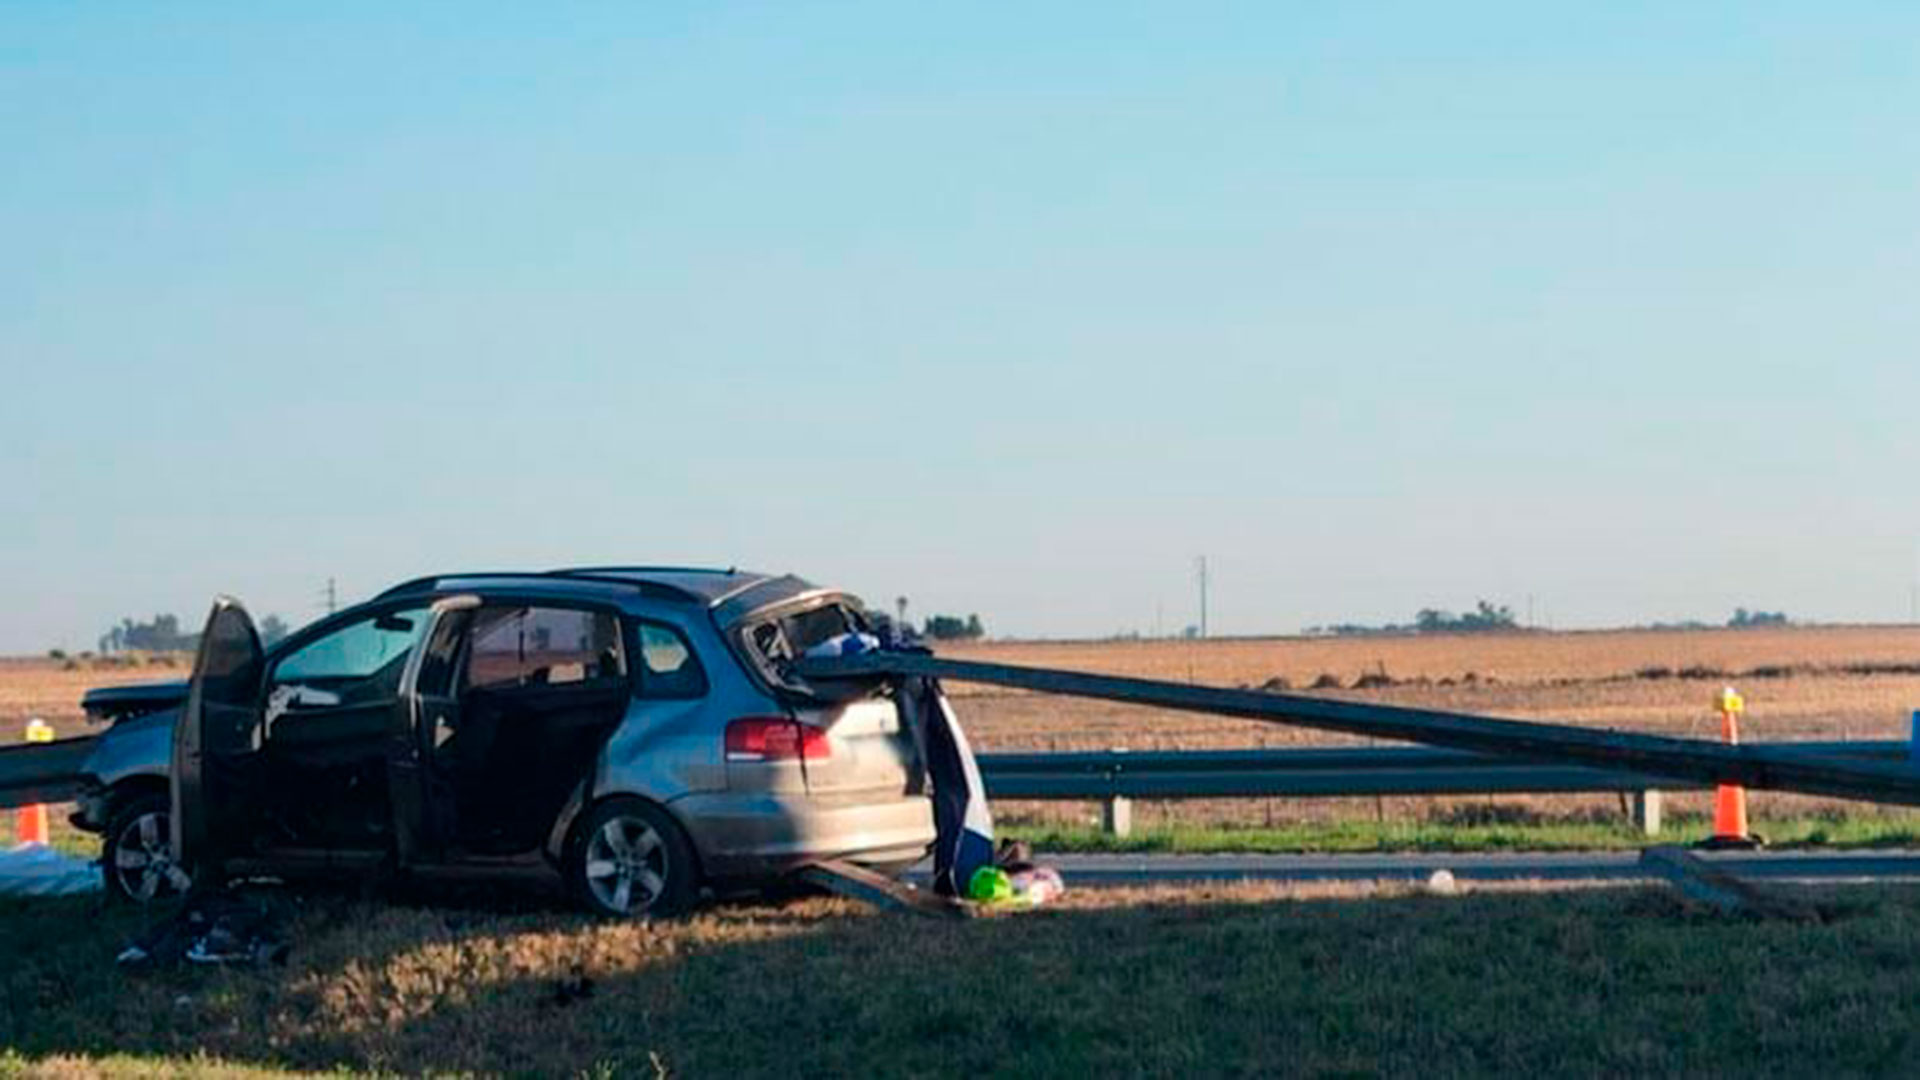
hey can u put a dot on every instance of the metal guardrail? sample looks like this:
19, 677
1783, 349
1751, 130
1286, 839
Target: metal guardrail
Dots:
49, 772
42, 772
1773, 767
1322, 771
1116, 777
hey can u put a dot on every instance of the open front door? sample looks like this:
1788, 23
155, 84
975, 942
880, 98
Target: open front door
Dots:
218, 731
428, 710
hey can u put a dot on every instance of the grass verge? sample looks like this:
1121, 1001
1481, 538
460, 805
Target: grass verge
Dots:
1357, 836
1228, 980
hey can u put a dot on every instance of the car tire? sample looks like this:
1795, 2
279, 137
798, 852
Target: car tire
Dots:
136, 857
628, 858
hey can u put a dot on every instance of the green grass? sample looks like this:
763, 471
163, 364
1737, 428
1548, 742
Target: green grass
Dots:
1226, 981
1355, 836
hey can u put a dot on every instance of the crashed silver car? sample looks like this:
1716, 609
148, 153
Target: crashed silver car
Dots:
633, 730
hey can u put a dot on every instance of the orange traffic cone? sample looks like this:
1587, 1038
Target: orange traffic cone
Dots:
32, 820
1730, 800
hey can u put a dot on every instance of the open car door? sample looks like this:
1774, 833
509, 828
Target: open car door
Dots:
428, 710
218, 732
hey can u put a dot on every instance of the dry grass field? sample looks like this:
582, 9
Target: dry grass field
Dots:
1831, 682
51, 689
1258, 979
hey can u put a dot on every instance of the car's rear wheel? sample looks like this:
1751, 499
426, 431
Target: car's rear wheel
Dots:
627, 857
137, 857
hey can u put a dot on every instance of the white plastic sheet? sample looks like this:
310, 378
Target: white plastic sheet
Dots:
38, 870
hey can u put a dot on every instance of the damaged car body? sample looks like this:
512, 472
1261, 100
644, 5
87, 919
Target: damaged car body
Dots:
633, 730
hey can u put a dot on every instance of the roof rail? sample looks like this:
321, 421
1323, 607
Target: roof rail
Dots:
592, 570
657, 589
646, 588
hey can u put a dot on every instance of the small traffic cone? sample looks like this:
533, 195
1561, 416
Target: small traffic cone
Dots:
31, 823
1730, 800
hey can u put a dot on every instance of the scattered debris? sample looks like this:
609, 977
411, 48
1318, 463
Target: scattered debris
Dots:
214, 928
577, 986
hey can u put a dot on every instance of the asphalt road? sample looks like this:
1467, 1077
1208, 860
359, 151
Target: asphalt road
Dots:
1803, 866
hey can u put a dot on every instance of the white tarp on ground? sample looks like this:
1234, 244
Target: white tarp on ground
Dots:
38, 870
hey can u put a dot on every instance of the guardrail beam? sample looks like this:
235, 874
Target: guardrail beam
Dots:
1752, 765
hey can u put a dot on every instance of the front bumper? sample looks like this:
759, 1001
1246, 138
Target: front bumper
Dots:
762, 835
90, 809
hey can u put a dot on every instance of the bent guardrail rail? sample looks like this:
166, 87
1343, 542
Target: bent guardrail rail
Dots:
1685, 760
42, 772
1116, 777
1329, 771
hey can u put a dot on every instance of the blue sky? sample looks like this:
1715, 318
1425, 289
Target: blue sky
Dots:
1010, 309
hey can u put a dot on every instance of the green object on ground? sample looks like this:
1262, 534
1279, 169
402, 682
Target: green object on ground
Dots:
990, 885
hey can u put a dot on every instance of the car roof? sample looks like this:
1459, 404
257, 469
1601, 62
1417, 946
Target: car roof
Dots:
708, 587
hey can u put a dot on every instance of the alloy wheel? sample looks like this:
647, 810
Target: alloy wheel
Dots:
626, 865
143, 859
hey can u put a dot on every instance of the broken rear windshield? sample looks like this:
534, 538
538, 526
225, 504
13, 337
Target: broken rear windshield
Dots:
774, 639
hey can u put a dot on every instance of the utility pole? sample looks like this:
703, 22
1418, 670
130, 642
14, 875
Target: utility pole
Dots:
900, 606
332, 597
1200, 572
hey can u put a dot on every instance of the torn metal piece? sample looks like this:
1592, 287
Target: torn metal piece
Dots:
1716, 887
859, 883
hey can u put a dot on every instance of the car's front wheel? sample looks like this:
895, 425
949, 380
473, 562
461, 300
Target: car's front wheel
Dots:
627, 857
137, 856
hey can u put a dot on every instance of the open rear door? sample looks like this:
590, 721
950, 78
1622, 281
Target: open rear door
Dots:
218, 732
428, 710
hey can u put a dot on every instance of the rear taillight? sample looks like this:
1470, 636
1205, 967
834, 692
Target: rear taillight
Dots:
774, 738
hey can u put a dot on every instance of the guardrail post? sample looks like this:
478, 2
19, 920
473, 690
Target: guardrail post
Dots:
1116, 811
1646, 811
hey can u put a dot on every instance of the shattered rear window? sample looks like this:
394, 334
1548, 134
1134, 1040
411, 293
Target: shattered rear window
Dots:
774, 638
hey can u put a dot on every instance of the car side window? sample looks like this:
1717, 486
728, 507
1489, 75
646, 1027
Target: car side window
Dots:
668, 666
541, 646
359, 663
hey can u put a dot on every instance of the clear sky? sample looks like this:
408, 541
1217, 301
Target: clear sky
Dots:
1011, 308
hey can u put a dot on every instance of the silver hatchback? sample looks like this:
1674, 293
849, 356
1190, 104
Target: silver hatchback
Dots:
634, 730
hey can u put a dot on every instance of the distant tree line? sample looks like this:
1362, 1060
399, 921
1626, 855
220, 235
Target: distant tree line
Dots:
954, 628
1491, 618
162, 633
1485, 618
